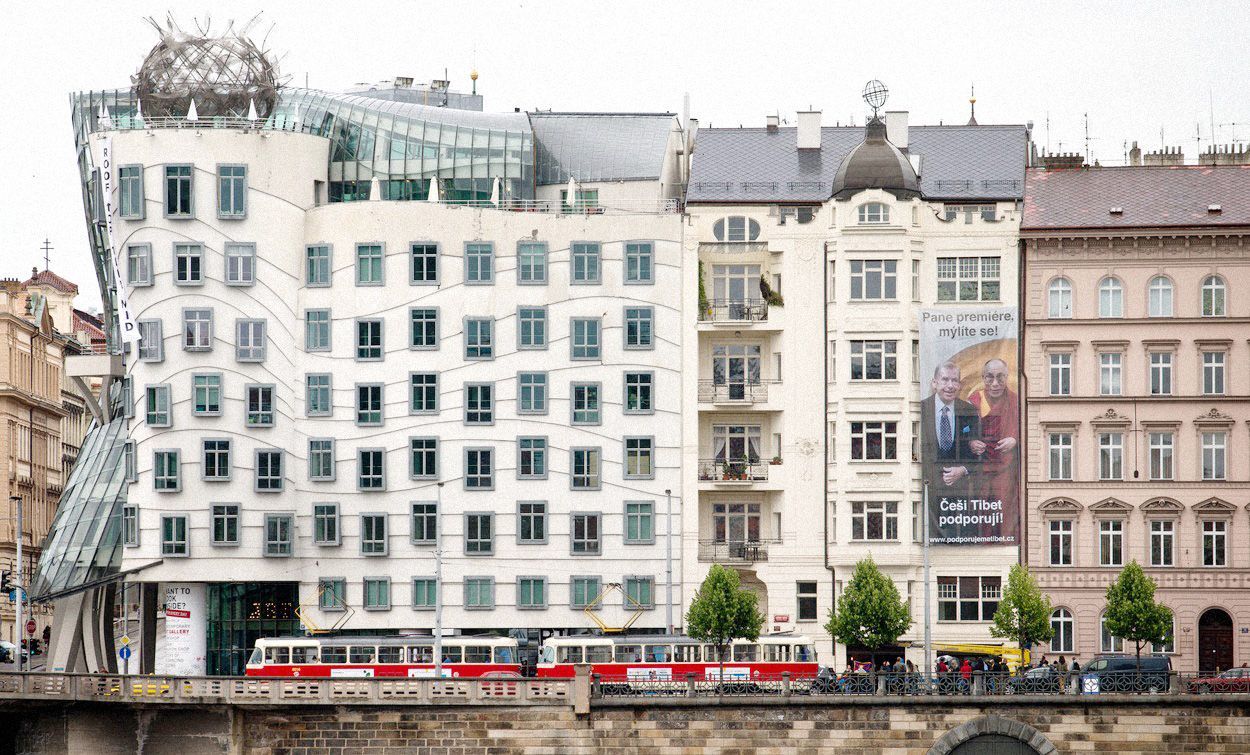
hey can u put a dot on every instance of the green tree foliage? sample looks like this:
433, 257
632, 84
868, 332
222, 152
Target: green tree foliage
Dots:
870, 613
1132, 613
1024, 612
722, 612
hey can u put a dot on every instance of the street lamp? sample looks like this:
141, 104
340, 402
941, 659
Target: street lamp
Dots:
18, 590
438, 585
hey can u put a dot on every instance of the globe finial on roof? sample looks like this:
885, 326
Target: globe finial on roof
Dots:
876, 163
875, 94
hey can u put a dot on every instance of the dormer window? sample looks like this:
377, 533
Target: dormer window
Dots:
736, 228
873, 212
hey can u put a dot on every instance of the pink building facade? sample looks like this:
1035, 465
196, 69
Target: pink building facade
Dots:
1136, 290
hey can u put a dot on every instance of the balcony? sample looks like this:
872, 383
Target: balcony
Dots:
733, 247
734, 311
744, 552
733, 471
712, 392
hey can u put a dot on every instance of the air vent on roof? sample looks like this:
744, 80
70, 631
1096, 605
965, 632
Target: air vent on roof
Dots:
1117, 210
1214, 208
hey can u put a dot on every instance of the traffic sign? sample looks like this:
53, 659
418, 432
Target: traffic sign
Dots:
125, 639
124, 652
30, 627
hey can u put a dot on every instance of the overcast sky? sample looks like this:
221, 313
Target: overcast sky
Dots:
1134, 67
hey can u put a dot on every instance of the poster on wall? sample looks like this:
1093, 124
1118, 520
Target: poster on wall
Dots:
970, 424
182, 648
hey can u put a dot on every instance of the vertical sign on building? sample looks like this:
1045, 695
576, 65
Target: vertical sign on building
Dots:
184, 647
970, 424
125, 320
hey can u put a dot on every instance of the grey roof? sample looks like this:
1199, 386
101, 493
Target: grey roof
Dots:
600, 146
754, 165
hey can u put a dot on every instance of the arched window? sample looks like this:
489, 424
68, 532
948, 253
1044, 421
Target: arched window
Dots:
1063, 628
736, 228
1213, 296
874, 212
1107, 643
1060, 298
1110, 297
1160, 296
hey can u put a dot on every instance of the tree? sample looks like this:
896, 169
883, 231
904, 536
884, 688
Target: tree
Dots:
1132, 613
1024, 612
870, 613
722, 612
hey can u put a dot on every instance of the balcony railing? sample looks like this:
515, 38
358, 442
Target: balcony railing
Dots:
733, 247
743, 552
732, 470
735, 310
748, 393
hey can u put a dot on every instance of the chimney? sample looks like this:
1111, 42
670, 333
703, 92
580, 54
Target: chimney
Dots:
1165, 156
1054, 161
809, 129
691, 133
1229, 154
773, 122
1134, 155
896, 128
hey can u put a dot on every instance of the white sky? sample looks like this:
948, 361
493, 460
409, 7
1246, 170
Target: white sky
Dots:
1134, 67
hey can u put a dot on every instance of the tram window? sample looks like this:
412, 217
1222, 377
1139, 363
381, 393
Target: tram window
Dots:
628, 653
334, 654
658, 654
360, 654
746, 652
303, 655
804, 653
547, 654
686, 653
571, 654
421, 654
257, 657
476, 654
599, 654
389, 654
777, 653
504, 655
451, 654
277, 654
711, 654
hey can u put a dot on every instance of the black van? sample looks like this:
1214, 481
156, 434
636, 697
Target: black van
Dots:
1121, 673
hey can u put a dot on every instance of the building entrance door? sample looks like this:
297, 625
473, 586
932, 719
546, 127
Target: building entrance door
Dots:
1215, 641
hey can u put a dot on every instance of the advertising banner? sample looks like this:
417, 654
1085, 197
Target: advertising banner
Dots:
970, 424
183, 648
125, 320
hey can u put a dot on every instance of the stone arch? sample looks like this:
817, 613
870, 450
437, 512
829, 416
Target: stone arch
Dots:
993, 724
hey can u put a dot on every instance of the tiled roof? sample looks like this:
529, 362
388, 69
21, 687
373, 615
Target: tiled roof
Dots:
756, 165
1147, 197
600, 146
85, 322
49, 278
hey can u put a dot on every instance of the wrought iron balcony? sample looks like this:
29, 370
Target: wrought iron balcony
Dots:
734, 310
733, 470
732, 392
735, 552
733, 247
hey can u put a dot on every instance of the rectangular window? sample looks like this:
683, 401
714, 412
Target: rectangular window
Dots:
1161, 447
479, 472
874, 280
1213, 373
371, 463
584, 338
479, 403
423, 333
639, 593
639, 522
423, 454
968, 278
250, 344
874, 360
130, 192
166, 470
370, 261
531, 592
583, 591
639, 262
532, 393
806, 596
531, 264
206, 394
279, 534
1110, 456
585, 403
317, 268
373, 535
478, 338
874, 441
188, 264
638, 327
139, 264
216, 459
424, 592
331, 594
423, 392
968, 598
317, 330
318, 394
479, 264
584, 468
1110, 370
130, 526
531, 327
225, 530
1162, 542
424, 521
874, 520
638, 387
479, 593
179, 202
1214, 449
586, 263
1061, 374
128, 396
585, 534
326, 524
532, 522
479, 534
1111, 542
1061, 542
531, 458
151, 341
424, 264
173, 535
268, 470
259, 402
1160, 373
368, 340
232, 191
1060, 445
157, 403
639, 458
240, 264
369, 403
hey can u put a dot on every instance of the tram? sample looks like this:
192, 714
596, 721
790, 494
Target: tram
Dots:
463, 657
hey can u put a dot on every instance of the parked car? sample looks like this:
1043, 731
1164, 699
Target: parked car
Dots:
1044, 679
8, 652
1121, 673
1232, 680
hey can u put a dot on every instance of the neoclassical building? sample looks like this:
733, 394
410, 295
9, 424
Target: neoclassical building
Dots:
1138, 400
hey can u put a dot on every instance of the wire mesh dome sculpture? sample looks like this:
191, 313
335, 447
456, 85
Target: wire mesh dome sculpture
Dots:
222, 73
875, 94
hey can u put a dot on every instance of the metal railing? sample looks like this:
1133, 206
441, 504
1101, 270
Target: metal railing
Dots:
733, 247
712, 391
733, 470
735, 310
744, 552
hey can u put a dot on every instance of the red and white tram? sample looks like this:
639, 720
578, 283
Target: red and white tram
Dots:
467, 657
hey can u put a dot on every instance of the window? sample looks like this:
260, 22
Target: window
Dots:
1061, 542
1169, 643
479, 469
873, 280
532, 393
638, 327
373, 535
638, 392
240, 264
1109, 373
1059, 299
1162, 542
532, 522
317, 267
371, 463
151, 341
423, 453
736, 522
1060, 455
231, 191
874, 520
130, 526
1160, 373
1110, 297
268, 470
968, 598
478, 342
130, 192
424, 592
640, 458
173, 535
1111, 542
479, 592
326, 524
317, 394
225, 527
279, 534
639, 522
369, 403
249, 340
1107, 643
531, 264
585, 337
128, 396
139, 264
331, 594
531, 327
424, 328
586, 263
583, 591
1110, 456
369, 265
259, 404
639, 257
1160, 297
424, 264
216, 459
584, 468
1161, 446
479, 404
157, 402
639, 592
423, 392
1212, 372
585, 403
166, 471
584, 532
916, 532
736, 228
807, 601
1061, 374
1213, 294
368, 340
424, 522
874, 360
178, 198
968, 278
531, 458
479, 263
1214, 447
874, 212
874, 441
479, 534
206, 394
317, 330
531, 592
197, 329
1062, 639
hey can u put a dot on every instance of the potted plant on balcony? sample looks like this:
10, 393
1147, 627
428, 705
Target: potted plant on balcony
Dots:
771, 297
705, 307
776, 461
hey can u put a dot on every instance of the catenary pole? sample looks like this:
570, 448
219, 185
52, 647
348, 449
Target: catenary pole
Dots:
19, 590
928, 626
438, 585
668, 560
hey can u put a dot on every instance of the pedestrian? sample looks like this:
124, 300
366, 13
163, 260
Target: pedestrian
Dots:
965, 672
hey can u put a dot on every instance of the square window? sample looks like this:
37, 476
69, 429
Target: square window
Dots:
369, 340
188, 264
369, 404
232, 191
250, 344
639, 593
531, 458
424, 458
532, 393
583, 591
531, 522
639, 522
531, 262
479, 593
166, 471
206, 394
317, 330
371, 463
639, 262
216, 459
424, 592
326, 523
174, 535
240, 264
531, 592
584, 534
279, 535
584, 339
479, 404
586, 263
424, 264
373, 535
585, 403
479, 338
532, 328
479, 534
259, 405
139, 264
332, 594
638, 387
269, 470
318, 270
130, 202
479, 264
424, 522
179, 201
479, 469
157, 403
638, 327
318, 394
370, 260
225, 530
377, 594
424, 327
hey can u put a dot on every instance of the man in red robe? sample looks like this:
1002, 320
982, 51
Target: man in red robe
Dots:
1000, 438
